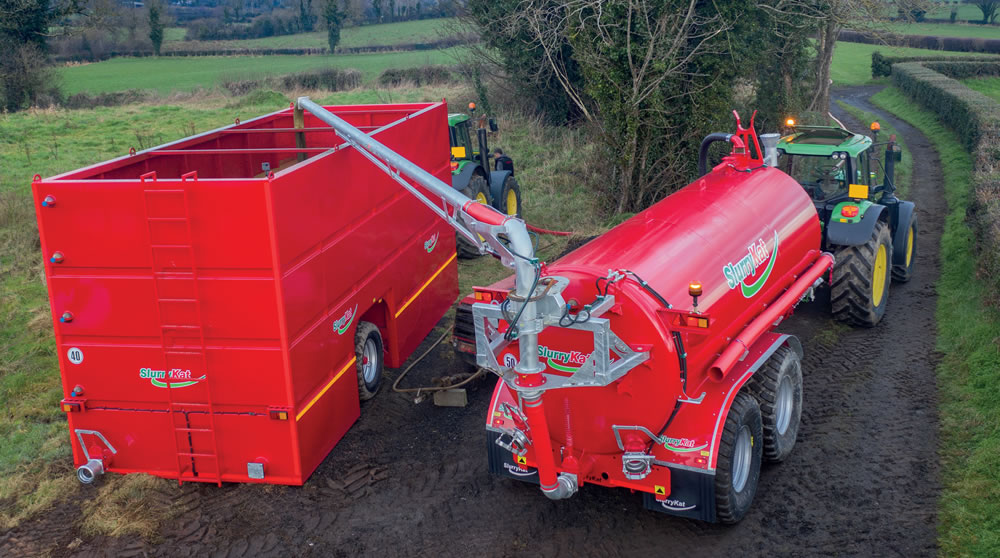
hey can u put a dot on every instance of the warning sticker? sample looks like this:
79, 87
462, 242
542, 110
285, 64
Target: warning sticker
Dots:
74, 355
660, 490
522, 460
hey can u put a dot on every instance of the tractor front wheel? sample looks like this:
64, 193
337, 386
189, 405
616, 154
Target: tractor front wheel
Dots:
738, 469
901, 273
860, 288
477, 190
777, 386
369, 351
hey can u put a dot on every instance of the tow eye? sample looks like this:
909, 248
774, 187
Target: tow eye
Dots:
94, 466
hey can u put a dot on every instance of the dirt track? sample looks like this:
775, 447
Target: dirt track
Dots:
412, 480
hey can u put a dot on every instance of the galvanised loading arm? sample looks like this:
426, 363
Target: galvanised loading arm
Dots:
478, 223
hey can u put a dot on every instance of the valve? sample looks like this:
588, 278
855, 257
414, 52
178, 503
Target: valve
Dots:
636, 465
518, 444
66, 317
49, 201
57, 257
88, 472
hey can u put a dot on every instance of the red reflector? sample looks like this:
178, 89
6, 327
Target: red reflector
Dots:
484, 297
278, 414
454, 166
849, 211
70, 407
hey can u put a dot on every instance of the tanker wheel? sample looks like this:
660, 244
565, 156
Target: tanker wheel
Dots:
369, 351
510, 197
777, 387
738, 467
465, 327
901, 273
860, 289
476, 190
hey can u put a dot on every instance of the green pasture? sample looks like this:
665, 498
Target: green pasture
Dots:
852, 62
987, 86
948, 29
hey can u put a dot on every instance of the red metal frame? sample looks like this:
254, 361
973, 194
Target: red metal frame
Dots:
196, 267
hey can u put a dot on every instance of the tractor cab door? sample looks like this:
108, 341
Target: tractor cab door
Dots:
461, 142
822, 177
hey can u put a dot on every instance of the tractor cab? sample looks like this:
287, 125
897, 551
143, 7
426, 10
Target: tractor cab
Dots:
826, 161
462, 151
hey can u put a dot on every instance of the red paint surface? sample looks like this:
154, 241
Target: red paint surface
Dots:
275, 261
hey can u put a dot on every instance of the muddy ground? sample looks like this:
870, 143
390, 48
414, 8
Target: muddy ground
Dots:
412, 480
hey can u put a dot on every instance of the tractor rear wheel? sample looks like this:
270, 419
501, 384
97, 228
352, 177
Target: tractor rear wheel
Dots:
777, 386
477, 190
510, 197
370, 355
738, 466
860, 288
901, 273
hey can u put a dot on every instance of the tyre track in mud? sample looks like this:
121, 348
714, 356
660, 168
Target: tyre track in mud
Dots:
412, 480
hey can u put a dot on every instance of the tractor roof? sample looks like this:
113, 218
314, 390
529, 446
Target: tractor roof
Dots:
457, 118
823, 141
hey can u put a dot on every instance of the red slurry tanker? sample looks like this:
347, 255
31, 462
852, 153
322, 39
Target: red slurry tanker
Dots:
653, 365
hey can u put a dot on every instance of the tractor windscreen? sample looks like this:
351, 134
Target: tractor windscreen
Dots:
823, 177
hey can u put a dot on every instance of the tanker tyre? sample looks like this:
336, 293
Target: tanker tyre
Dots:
777, 387
370, 354
901, 273
476, 190
859, 292
738, 467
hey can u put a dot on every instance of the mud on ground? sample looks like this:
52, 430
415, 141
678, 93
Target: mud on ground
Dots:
412, 480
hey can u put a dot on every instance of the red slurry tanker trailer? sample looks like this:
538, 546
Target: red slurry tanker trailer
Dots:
652, 364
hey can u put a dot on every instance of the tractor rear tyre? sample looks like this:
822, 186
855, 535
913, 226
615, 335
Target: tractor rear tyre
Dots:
777, 387
901, 273
510, 197
370, 355
476, 190
738, 466
861, 276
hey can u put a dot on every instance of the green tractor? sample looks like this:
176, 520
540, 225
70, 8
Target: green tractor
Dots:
871, 232
471, 173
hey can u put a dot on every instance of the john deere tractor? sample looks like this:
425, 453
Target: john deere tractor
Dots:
871, 232
471, 173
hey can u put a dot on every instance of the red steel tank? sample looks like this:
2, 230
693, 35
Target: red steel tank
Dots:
681, 299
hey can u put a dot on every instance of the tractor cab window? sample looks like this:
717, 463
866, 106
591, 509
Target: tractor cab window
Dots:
462, 138
822, 177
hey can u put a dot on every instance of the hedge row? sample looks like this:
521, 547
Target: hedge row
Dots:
882, 65
931, 42
966, 69
329, 79
976, 119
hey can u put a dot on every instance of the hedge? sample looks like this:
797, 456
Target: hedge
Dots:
931, 42
976, 119
882, 65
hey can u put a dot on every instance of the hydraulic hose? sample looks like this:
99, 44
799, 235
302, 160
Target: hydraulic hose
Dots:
540, 230
703, 152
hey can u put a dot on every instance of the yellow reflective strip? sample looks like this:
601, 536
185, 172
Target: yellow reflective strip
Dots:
424, 286
326, 388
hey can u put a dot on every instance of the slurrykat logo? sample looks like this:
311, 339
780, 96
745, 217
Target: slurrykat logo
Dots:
178, 378
560, 359
431, 243
344, 322
757, 255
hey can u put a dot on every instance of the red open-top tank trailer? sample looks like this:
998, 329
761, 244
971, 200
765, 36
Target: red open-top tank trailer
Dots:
661, 373
220, 301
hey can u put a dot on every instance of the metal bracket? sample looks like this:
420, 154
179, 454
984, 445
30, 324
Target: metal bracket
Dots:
79, 436
518, 443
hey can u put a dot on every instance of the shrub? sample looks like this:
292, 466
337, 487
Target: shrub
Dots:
932, 42
423, 75
330, 79
882, 65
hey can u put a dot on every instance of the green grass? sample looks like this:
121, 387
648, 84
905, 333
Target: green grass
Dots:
173, 34
987, 86
948, 29
423, 30
903, 169
966, 12
169, 74
968, 376
852, 62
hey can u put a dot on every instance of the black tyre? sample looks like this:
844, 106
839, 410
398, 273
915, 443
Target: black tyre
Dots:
777, 387
738, 467
465, 329
479, 191
901, 273
370, 354
510, 197
861, 277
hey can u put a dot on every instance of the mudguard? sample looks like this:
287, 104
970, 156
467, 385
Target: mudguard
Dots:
903, 220
496, 186
854, 234
461, 180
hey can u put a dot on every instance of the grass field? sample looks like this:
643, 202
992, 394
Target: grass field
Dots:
948, 29
852, 62
987, 86
169, 74
968, 333
966, 12
423, 30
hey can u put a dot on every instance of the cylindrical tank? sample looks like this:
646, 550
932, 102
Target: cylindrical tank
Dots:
743, 235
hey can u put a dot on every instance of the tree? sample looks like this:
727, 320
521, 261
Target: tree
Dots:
306, 17
377, 10
334, 17
155, 26
989, 9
